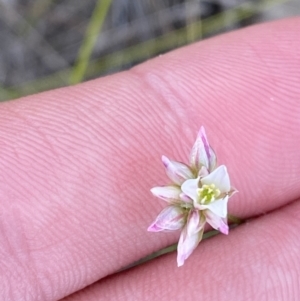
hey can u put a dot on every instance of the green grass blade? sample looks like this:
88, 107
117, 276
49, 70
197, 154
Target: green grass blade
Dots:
142, 51
85, 51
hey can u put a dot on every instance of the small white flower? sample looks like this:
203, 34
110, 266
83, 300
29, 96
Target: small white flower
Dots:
210, 194
199, 193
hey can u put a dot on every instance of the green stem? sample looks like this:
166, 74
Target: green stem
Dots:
172, 248
161, 252
166, 250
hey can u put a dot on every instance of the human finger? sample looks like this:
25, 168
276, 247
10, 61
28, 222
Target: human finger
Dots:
77, 163
257, 261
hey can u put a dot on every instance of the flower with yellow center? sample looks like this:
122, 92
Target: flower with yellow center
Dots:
210, 195
198, 194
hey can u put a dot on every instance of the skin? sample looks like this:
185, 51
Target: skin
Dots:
76, 166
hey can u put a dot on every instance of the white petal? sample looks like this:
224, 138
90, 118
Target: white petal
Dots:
186, 245
176, 171
171, 218
195, 222
189, 187
202, 154
217, 222
218, 207
219, 177
169, 194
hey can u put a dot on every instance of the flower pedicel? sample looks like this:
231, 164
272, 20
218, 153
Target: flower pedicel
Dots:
199, 194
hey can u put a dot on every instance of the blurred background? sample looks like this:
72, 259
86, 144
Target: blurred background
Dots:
47, 44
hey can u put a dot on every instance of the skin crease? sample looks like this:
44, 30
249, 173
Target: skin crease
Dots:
253, 263
76, 166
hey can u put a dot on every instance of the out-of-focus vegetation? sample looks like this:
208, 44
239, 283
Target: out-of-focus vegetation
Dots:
51, 43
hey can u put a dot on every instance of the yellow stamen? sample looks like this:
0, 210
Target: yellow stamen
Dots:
208, 193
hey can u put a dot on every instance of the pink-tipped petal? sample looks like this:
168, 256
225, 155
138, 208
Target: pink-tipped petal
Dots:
189, 188
212, 160
224, 228
180, 252
202, 154
154, 228
169, 194
176, 171
187, 244
220, 178
218, 207
171, 218
217, 222
195, 222
203, 137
